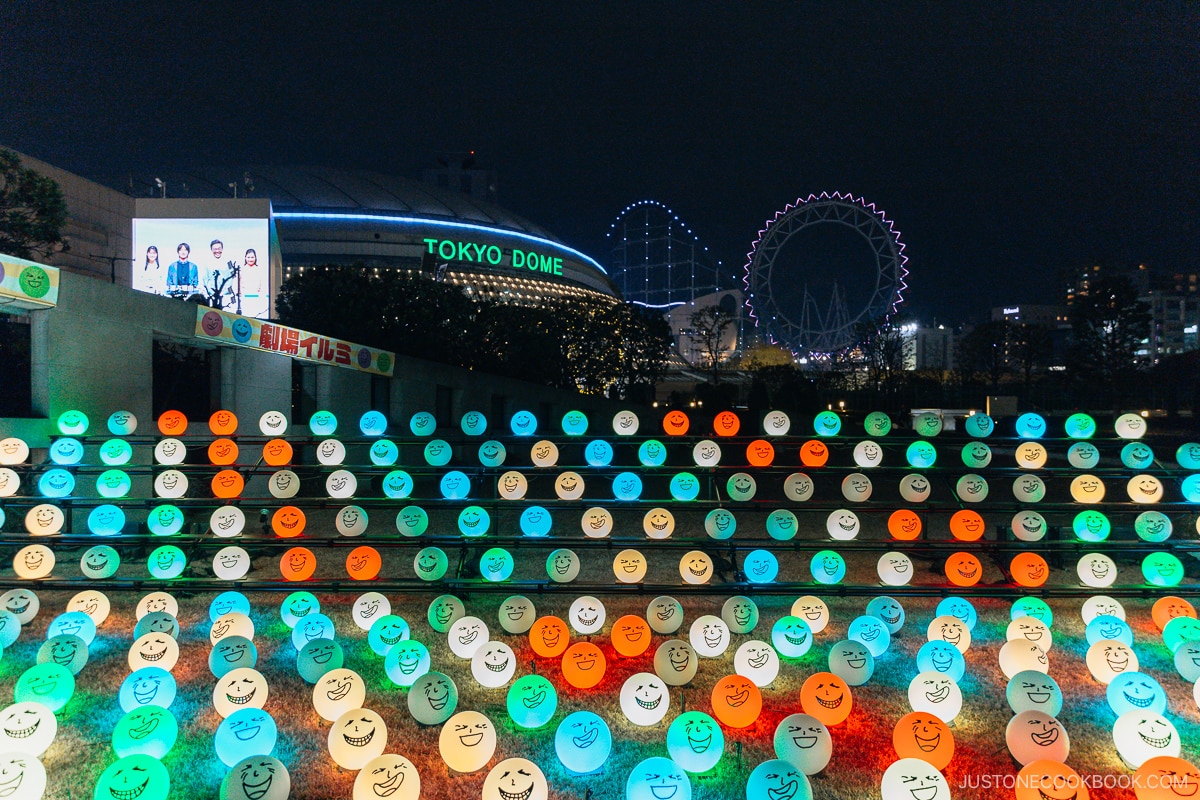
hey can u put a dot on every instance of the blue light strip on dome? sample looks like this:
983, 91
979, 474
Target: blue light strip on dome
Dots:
433, 223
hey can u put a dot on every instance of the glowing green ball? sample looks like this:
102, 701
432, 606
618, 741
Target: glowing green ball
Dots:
149, 730
695, 741
1162, 569
73, 423
135, 776
50, 684
166, 562
113, 484
532, 701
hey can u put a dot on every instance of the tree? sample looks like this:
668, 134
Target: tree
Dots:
1108, 324
707, 334
219, 292
884, 350
32, 211
985, 350
1029, 347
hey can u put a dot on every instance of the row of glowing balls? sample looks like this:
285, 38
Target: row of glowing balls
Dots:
624, 423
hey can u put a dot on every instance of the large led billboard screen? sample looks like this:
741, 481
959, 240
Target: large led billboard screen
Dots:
225, 260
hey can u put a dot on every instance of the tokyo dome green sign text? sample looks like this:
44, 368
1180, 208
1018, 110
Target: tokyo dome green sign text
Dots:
475, 253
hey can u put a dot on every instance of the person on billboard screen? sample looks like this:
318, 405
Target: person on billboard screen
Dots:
183, 277
220, 276
152, 277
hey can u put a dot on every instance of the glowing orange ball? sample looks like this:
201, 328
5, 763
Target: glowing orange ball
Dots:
227, 483
223, 452
676, 423
726, 424
760, 453
924, 736
826, 697
172, 423
963, 569
1165, 778
288, 522
298, 564
363, 563
223, 423
1029, 569
814, 453
904, 524
1168, 608
630, 635
1044, 778
736, 701
583, 665
277, 452
549, 637
967, 525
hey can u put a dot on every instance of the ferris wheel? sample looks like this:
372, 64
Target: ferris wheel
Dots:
819, 315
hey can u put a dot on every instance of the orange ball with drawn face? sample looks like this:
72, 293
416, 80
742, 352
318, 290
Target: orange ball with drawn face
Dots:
172, 423
924, 736
549, 637
726, 424
904, 525
1050, 780
298, 564
676, 423
826, 697
814, 453
1168, 608
1166, 778
1029, 569
583, 665
222, 452
363, 563
963, 569
967, 525
288, 522
736, 701
760, 453
223, 423
277, 452
227, 483
631, 635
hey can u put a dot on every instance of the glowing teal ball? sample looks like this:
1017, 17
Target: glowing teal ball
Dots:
598, 453
157, 622
122, 423
323, 423
657, 778
782, 525
1032, 690
961, 608
56, 483
942, 657
412, 521
115, 452
535, 521
1031, 426
1180, 630
473, 423
386, 632
422, 423
532, 701
889, 610
877, 423
65, 650
583, 742
1080, 426
438, 452
979, 426
652, 453
113, 484
66, 451
148, 686
1191, 488
1137, 455
1153, 526
245, 732
73, 423
921, 454
474, 521
777, 779
383, 453
406, 661
50, 684
397, 484
455, 485
135, 776
720, 523
71, 623
433, 698
166, 562
872, 632
373, 423
627, 486
1187, 455
685, 487
695, 741
99, 562
1108, 626
523, 423
496, 564
1135, 691
314, 626
1162, 569
791, 636
492, 453
106, 520
760, 566
227, 603
1034, 607
827, 423
230, 653
298, 605
1091, 526
149, 730
574, 423
828, 567
318, 657
431, 563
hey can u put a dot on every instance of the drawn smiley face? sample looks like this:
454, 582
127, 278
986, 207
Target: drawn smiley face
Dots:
630, 636
562, 565
645, 699
433, 698
467, 741
356, 737
915, 488
138, 776
676, 662
925, 736
664, 614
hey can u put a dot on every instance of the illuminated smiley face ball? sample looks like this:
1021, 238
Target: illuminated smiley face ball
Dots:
516, 777
27, 727
911, 778
1108, 658
583, 742
813, 610
240, 688
696, 567
630, 636
433, 698
629, 566
147, 686
1096, 570
1164, 610
33, 561
1162, 569
757, 661
645, 699
1142, 735
1034, 690
894, 569
496, 564
1153, 526
466, 635
66, 650
1029, 570
935, 693
664, 614
431, 563
298, 564
338, 691
356, 737
760, 566
676, 662
153, 650
493, 664
22, 776
318, 657
720, 524
842, 525
257, 778
889, 610
791, 636
587, 615
583, 665
166, 562
1135, 691
924, 736
851, 661
950, 629
695, 741
657, 778
804, 742
23, 604
517, 614
562, 565
828, 567
230, 653
872, 632
740, 614
1165, 778
250, 731
532, 701
826, 697
467, 741
136, 776
709, 636
406, 661
549, 637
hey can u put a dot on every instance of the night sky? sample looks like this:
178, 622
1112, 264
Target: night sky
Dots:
1007, 141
